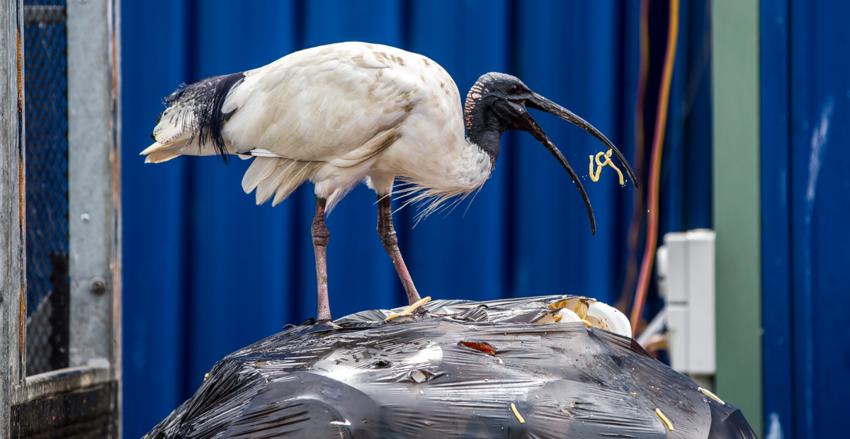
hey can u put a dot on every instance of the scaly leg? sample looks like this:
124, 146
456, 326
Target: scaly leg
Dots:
388, 238
321, 236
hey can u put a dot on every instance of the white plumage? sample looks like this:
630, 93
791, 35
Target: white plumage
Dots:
336, 115
345, 113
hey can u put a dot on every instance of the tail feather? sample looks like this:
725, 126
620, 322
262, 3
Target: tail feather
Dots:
161, 157
153, 148
158, 153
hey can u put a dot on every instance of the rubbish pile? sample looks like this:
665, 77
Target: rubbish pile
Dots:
529, 367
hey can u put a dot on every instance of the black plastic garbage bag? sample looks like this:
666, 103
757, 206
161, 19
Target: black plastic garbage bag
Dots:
465, 369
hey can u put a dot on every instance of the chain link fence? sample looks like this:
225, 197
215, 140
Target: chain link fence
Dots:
48, 286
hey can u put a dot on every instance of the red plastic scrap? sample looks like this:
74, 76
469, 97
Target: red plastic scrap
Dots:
479, 346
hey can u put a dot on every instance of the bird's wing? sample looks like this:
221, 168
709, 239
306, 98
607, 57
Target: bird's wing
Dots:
339, 104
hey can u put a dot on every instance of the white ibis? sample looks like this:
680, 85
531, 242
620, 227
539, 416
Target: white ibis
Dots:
346, 113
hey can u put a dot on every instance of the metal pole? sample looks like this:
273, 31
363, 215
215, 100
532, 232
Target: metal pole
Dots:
12, 241
94, 185
90, 188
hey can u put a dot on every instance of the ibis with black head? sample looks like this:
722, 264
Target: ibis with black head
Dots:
346, 113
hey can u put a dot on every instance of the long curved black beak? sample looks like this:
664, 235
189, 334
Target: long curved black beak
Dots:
534, 129
540, 103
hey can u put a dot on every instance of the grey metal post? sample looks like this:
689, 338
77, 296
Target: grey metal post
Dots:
91, 154
94, 184
12, 241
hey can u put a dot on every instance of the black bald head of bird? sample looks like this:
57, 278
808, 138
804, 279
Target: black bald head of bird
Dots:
499, 102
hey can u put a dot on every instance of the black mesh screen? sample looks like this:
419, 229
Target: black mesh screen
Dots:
46, 185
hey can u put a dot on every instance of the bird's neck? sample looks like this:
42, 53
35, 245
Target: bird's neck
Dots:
483, 128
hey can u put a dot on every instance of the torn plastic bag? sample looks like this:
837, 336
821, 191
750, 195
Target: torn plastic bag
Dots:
464, 369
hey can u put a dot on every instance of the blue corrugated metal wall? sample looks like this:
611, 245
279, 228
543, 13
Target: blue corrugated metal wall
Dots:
206, 271
805, 96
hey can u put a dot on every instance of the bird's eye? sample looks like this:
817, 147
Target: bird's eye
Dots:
514, 89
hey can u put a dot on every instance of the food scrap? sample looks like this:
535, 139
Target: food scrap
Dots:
711, 395
410, 308
600, 165
578, 306
664, 419
519, 417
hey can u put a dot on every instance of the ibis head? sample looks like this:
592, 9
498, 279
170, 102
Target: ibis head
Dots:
499, 102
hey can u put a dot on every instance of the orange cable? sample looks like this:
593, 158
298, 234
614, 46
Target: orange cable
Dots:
637, 205
22, 317
655, 170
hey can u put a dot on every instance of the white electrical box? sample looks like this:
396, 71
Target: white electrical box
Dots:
686, 281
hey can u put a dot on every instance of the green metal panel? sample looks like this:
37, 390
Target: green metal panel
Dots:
735, 41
